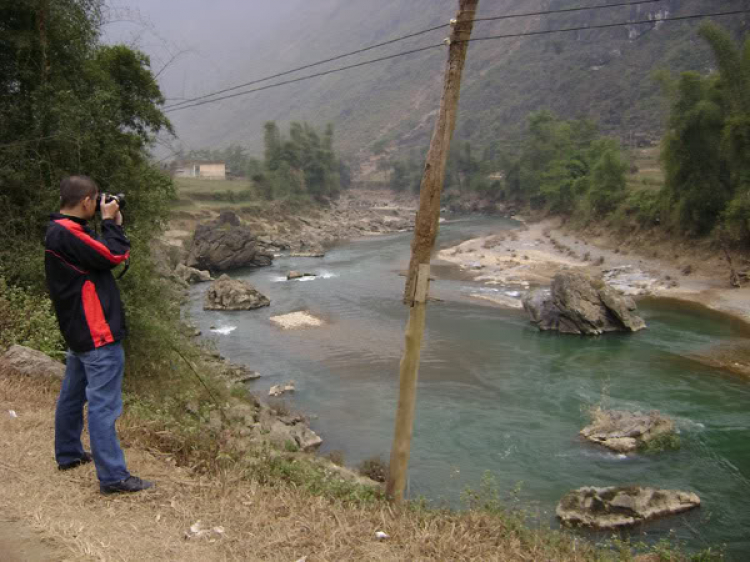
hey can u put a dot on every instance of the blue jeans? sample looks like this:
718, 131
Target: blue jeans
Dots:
95, 376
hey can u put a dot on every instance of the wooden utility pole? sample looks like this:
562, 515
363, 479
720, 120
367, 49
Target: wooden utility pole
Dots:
425, 233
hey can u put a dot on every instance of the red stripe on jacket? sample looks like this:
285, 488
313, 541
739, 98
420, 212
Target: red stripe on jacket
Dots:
77, 231
66, 262
92, 309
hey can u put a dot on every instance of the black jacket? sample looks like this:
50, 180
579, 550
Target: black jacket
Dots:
83, 290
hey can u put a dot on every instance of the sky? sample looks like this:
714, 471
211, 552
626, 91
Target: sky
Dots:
187, 34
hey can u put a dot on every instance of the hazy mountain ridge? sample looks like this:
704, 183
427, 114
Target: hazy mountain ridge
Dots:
604, 74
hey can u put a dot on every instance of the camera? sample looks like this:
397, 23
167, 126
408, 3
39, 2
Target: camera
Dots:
108, 198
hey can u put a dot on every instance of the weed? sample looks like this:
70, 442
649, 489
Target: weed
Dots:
375, 468
291, 446
313, 478
664, 442
336, 457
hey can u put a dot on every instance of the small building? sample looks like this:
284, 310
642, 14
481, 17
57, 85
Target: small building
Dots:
212, 170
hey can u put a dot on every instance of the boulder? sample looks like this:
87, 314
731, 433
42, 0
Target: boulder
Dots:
613, 507
626, 432
221, 246
299, 275
299, 434
27, 362
239, 374
191, 275
233, 294
578, 304
283, 430
229, 217
279, 389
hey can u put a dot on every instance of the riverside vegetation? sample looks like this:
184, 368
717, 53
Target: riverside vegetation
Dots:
566, 167
72, 104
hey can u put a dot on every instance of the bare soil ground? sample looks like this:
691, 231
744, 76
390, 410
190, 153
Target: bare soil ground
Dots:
20, 543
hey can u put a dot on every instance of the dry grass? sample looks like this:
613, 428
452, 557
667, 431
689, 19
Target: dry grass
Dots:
261, 522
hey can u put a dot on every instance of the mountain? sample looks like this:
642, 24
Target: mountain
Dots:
604, 74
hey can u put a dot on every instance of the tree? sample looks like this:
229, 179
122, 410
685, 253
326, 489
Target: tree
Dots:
562, 164
272, 143
72, 105
706, 150
302, 164
607, 178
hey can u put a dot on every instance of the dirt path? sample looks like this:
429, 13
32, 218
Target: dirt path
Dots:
19, 543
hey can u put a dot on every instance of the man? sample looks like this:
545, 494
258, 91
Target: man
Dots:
89, 312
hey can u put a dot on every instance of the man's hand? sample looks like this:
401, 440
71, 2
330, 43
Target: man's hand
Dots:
111, 211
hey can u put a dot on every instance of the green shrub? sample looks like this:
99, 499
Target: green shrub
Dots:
736, 220
28, 319
664, 442
643, 206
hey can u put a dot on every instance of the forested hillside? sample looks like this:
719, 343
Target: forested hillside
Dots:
603, 74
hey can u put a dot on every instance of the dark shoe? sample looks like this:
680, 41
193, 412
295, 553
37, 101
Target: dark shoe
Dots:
85, 459
130, 484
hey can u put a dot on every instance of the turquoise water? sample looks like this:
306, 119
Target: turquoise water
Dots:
495, 394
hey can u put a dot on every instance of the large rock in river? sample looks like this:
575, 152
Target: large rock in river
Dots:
613, 507
223, 245
578, 304
625, 432
232, 294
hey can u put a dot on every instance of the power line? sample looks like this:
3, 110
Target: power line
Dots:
318, 74
567, 10
608, 25
311, 65
402, 38
506, 36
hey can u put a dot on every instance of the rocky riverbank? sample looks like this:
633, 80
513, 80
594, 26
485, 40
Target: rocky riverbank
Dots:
514, 260
261, 231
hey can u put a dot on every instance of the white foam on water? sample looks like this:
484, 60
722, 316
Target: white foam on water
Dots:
595, 454
224, 330
328, 275
508, 452
307, 278
278, 278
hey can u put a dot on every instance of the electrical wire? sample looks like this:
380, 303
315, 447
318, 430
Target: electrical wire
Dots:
410, 52
566, 10
607, 25
402, 38
311, 65
302, 78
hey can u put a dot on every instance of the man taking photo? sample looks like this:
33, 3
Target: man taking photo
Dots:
78, 266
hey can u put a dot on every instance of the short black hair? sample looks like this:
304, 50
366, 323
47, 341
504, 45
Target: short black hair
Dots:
75, 189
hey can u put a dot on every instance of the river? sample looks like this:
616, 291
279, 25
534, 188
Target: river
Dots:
496, 396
